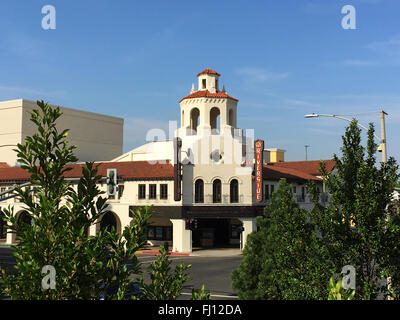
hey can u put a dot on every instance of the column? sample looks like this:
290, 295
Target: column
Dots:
181, 238
249, 225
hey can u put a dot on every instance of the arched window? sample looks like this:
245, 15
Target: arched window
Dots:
231, 120
183, 119
199, 191
234, 191
3, 229
24, 220
215, 120
194, 119
217, 191
108, 221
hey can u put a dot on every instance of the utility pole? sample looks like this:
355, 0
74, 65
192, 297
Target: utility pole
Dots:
306, 146
383, 136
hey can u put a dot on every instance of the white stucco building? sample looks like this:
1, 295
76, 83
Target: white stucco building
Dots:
97, 136
216, 176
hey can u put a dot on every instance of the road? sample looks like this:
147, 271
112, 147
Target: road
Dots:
213, 272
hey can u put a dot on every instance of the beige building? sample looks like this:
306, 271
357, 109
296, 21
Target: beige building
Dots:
97, 136
215, 175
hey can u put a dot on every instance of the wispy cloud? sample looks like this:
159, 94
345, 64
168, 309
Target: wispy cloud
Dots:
387, 47
17, 92
361, 63
260, 75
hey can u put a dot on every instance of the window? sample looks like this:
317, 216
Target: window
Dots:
199, 191
230, 117
234, 191
2, 190
215, 120
3, 231
142, 191
294, 190
272, 189
163, 191
217, 191
266, 192
204, 82
194, 119
152, 191
235, 231
120, 191
159, 233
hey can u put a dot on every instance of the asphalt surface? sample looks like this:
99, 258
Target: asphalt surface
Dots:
212, 271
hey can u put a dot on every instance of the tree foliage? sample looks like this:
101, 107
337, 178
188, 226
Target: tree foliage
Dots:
360, 226
164, 284
61, 217
282, 260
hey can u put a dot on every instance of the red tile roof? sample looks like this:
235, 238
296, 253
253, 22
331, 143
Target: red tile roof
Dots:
277, 173
128, 170
310, 167
209, 71
208, 94
4, 165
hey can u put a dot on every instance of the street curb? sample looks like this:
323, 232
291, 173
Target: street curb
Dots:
157, 253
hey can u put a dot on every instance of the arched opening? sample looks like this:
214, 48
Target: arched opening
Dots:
217, 191
199, 191
234, 194
183, 119
3, 227
230, 118
215, 120
194, 119
24, 219
109, 221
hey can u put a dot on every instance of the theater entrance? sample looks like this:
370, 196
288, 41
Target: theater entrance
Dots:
216, 233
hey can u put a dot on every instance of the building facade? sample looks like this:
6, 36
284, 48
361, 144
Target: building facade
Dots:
97, 137
209, 178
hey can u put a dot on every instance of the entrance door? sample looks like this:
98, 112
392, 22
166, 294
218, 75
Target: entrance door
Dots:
211, 233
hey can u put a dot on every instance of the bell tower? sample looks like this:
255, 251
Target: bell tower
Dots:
208, 110
208, 80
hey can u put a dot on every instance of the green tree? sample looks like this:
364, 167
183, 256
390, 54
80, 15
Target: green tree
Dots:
201, 294
359, 226
164, 285
283, 259
61, 216
336, 291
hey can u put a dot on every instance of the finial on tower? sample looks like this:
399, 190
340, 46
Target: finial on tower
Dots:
193, 89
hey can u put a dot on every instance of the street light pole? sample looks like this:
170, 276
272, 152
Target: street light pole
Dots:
306, 146
383, 135
382, 141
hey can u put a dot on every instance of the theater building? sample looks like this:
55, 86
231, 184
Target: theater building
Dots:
214, 174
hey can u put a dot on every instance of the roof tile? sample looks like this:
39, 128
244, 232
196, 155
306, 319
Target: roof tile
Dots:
126, 170
209, 71
208, 94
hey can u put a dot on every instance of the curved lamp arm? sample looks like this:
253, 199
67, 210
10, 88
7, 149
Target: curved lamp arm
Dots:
316, 115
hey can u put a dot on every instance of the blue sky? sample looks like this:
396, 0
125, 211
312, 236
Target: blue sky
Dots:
281, 59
